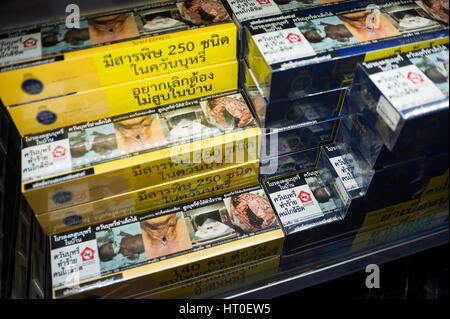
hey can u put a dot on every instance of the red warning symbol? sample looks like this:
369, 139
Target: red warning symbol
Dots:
59, 151
304, 197
30, 42
415, 78
263, 2
294, 38
87, 254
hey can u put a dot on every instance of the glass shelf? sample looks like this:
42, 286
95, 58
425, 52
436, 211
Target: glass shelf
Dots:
326, 268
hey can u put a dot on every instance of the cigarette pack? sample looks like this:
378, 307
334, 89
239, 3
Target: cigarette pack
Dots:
284, 112
305, 200
153, 197
404, 194
271, 167
124, 98
253, 9
398, 100
146, 252
242, 11
372, 229
350, 165
89, 161
296, 54
296, 147
56, 59
416, 225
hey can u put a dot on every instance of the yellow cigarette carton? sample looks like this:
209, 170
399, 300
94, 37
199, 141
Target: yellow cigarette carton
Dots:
154, 197
406, 219
215, 284
124, 98
158, 249
89, 161
110, 48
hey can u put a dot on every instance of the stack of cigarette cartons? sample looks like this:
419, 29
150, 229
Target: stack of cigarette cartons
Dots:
127, 119
296, 64
391, 153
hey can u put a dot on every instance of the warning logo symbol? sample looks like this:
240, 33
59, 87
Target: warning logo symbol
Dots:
415, 78
305, 197
87, 254
293, 38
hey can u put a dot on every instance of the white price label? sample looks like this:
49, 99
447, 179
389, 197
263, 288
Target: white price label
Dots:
345, 167
284, 45
405, 88
46, 160
249, 9
75, 263
296, 204
20, 48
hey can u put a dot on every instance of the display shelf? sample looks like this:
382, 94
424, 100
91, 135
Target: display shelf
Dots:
298, 278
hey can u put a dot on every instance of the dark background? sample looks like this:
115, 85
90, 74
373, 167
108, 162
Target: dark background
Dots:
417, 277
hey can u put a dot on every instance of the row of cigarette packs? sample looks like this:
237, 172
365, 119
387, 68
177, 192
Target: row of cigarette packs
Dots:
152, 174
331, 41
324, 197
392, 140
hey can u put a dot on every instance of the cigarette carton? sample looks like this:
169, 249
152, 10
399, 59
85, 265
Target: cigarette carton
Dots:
217, 283
88, 161
124, 98
141, 254
294, 54
149, 198
404, 194
308, 199
403, 102
242, 11
286, 112
111, 48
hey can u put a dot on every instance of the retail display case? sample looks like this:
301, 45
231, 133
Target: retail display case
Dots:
323, 172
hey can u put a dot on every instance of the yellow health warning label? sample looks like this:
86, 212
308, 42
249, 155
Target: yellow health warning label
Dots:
156, 56
123, 98
218, 280
120, 62
153, 197
404, 219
